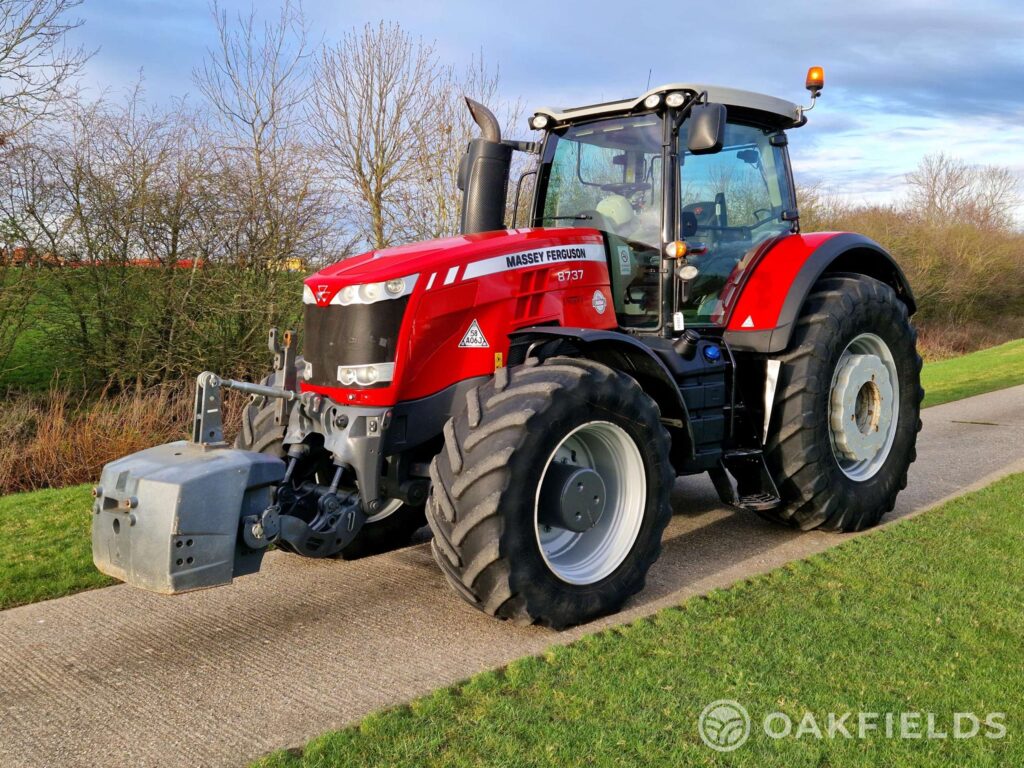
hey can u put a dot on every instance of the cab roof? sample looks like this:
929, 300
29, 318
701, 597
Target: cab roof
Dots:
778, 112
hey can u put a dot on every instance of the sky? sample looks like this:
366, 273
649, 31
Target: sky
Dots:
904, 78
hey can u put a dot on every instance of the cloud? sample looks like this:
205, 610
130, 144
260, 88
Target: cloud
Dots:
903, 77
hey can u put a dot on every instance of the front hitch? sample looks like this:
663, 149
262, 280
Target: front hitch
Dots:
189, 515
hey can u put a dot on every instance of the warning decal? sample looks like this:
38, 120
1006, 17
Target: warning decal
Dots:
625, 266
474, 338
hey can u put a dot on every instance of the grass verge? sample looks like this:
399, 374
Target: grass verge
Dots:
45, 546
973, 374
925, 616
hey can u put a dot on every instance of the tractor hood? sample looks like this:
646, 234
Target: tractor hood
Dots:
444, 261
400, 324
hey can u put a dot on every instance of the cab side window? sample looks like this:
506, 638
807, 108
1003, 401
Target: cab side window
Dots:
731, 201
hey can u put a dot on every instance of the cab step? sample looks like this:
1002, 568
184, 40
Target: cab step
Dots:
743, 481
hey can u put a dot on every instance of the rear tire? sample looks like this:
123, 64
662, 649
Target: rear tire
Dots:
380, 533
485, 502
840, 446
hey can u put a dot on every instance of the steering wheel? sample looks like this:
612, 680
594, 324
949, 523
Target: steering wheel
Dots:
626, 189
758, 220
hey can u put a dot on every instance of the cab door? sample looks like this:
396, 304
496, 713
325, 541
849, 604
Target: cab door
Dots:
731, 202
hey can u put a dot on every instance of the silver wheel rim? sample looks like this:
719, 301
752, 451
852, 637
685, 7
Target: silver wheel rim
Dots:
864, 407
590, 556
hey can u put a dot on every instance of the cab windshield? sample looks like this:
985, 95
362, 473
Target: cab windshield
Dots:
607, 175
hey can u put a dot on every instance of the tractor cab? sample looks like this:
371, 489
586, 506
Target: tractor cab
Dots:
678, 191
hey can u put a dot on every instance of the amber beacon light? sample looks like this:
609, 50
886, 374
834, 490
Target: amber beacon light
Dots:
815, 80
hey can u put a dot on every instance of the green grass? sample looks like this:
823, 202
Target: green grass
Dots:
975, 373
926, 616
45, 546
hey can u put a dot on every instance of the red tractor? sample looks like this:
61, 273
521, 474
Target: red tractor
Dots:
532, 393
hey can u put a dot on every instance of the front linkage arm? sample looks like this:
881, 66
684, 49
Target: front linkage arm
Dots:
208, 423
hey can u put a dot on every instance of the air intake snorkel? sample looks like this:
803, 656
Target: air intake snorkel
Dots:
483, 174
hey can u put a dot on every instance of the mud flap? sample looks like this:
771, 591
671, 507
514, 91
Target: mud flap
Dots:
167, 518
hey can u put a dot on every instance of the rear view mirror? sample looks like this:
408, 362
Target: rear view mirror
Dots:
707, 129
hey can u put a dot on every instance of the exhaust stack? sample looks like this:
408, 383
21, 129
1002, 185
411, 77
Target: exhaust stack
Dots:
483, 174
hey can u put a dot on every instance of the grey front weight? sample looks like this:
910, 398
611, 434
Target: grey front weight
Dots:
168, 518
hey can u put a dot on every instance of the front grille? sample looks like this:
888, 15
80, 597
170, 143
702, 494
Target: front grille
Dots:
359, 334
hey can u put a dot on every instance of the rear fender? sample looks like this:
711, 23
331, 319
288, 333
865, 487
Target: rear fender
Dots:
623, 353
773, 288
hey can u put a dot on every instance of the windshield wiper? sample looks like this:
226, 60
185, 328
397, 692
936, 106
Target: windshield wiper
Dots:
577, 217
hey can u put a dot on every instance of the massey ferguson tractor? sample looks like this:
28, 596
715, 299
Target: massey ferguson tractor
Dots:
533, 392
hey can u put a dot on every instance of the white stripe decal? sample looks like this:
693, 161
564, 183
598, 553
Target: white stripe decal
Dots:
430, 282
450, 277
536, 258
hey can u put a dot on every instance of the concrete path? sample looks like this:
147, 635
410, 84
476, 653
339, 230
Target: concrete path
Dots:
121, 677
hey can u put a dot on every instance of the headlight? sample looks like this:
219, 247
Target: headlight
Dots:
675, 99
366, 375
653, 100
370, 293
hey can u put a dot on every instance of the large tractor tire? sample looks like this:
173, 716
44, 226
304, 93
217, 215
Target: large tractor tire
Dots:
550, 496
389, 529
847, 408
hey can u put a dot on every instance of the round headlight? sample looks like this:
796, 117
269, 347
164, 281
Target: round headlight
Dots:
675, 99
369, 292
395, 287
348, 294
347, 376
538, 122
652, 101
688, 272
367, 375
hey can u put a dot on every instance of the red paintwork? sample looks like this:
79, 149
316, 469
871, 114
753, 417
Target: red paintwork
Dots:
429, 358
758, 287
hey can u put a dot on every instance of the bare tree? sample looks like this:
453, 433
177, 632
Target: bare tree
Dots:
36, 66
375, 100
947, 187
435, 201
393, 124
255, 82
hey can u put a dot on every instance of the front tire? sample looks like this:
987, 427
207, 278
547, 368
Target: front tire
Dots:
525, 448
844, 428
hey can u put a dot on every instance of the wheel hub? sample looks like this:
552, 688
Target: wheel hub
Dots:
572, 497
861, 411
598, 473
